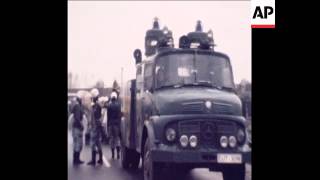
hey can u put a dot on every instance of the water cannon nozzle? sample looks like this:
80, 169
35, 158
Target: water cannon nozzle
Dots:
199, 26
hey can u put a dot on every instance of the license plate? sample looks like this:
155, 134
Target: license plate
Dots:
229, 158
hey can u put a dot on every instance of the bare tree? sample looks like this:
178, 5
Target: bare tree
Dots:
115, 85
99, 84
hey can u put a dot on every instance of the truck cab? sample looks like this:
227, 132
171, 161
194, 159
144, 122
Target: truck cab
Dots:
181, 111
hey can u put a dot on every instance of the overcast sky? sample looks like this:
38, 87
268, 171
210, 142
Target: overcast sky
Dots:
102, 35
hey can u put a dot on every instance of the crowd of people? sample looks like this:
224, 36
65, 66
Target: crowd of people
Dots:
89, 114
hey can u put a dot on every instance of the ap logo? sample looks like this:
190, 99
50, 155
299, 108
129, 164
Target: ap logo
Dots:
263, 13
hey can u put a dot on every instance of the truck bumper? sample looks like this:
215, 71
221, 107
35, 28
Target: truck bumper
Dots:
194, 157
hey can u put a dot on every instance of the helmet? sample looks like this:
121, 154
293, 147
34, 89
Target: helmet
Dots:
80, 94
114, 95
100, 101
94, 92
103, 99
86, 98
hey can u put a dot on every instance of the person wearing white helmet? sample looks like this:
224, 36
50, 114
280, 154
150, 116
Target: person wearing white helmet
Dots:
77, 129
102, 102
114, 95
96, 129
114, 115
94, 92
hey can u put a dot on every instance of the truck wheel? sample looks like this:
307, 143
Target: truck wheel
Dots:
234, 172
135, 159
124, 157
150, 168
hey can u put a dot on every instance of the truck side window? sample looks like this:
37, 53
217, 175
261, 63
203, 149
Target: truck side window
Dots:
148, 77
139, 79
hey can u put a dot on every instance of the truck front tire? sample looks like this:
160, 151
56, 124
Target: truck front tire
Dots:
129, 158
234, 172
135, 159
151, 170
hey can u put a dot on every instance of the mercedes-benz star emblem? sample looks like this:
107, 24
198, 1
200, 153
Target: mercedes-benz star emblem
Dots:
208, 104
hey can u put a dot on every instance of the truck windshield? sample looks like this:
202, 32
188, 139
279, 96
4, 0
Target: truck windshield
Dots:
176, 70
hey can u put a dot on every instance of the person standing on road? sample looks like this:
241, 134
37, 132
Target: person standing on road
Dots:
103, 101
77, 129
114, 113
95, 129
87, 106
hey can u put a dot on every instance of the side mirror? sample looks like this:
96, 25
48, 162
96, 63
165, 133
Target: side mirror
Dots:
137, 56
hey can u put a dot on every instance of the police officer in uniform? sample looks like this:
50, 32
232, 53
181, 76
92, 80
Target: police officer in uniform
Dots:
103, 101
77, 129
96, 129
114, 115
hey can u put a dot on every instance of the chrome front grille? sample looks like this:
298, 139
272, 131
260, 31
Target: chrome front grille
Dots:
189, 127
193, 107
226, 128
199, 108
221, 108
208, 132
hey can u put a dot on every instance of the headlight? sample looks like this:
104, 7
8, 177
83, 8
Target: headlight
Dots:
193, 141
241, 136
224, 141
170, 134
232, 141
194, 45
153, 42
184, 141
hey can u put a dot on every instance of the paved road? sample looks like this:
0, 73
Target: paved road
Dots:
111, 169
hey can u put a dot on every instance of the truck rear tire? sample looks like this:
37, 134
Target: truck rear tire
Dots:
234, 172
124, 157
151, 170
